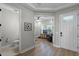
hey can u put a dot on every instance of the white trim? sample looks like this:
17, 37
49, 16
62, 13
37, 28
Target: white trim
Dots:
53, 19
19, 29
27, 49
56, 46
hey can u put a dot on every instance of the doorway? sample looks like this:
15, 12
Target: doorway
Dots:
44, 28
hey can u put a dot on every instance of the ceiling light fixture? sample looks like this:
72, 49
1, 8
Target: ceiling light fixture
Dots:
38, 18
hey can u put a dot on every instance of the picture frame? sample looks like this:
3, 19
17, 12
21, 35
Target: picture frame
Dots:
27, 26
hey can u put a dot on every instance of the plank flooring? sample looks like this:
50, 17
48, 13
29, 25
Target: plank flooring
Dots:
45, 48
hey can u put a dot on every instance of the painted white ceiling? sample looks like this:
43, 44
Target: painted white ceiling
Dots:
42, 7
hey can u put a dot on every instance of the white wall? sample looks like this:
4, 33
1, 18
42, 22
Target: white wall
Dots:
37, 29
27, 37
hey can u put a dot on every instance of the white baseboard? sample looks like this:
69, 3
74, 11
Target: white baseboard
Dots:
56, 46
60, 47
27, 49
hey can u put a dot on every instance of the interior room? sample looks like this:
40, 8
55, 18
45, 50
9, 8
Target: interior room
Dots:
39, 29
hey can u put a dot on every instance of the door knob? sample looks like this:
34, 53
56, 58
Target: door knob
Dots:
0, 40
61, 34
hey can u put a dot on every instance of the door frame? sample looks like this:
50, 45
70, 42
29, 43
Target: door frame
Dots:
19, 10
53, 19
53, 26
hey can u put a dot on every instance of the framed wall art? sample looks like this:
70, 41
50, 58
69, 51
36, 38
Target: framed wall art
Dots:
27, 26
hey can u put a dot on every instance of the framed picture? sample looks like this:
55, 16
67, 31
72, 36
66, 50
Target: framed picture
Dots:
27, 26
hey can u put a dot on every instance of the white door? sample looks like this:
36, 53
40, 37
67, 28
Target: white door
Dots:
68, 31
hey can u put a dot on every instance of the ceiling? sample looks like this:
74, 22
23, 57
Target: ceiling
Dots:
49, 7
44, 7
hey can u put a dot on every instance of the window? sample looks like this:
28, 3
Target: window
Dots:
68, 18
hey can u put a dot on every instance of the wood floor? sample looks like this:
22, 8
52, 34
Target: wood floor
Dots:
45, 48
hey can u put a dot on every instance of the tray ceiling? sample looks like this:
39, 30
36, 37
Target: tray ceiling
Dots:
41, 7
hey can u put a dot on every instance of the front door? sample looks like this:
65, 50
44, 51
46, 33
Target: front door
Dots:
68, 31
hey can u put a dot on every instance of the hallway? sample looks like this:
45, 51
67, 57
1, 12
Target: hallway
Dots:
21, 24
45, 48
